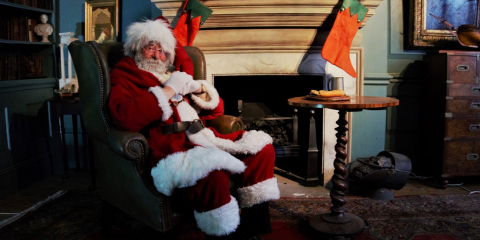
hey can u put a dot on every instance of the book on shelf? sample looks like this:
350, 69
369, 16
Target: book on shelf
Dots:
31, 23
17, 66
44, 4
19, 29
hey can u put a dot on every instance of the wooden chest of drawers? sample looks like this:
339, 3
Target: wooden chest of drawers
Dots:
451, 120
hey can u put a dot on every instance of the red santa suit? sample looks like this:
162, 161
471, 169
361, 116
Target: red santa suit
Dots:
198, 164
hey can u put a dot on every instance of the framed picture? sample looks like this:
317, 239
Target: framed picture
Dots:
431, 21
102, 21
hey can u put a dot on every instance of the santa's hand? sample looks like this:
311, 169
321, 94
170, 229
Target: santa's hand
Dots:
191, 86
178, 80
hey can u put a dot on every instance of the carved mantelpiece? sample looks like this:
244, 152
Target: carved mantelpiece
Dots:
266, 24
266, 13
260, 37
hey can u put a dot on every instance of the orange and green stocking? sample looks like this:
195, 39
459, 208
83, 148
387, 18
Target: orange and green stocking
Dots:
337, 46
194, 14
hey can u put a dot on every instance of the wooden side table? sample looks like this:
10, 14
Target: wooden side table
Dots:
337, 222
71, 106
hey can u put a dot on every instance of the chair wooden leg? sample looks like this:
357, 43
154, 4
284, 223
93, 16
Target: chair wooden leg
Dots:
107, 214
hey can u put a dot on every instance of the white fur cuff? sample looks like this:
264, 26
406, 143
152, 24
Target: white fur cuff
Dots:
220, 221
258, 193
212, 93
251, 142
162, 102
184, 169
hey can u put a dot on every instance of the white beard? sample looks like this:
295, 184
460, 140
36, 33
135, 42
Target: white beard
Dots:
150, 65
154, 66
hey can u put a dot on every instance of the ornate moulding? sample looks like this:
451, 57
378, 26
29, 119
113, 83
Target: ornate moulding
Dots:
265, 24
266, 13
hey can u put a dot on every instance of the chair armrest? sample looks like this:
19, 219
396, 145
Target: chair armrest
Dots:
225, 124
130, 145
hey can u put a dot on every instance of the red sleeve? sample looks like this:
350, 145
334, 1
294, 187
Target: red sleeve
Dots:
133, 112
212, 114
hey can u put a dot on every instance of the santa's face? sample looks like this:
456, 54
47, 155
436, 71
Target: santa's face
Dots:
152, 58
154, 51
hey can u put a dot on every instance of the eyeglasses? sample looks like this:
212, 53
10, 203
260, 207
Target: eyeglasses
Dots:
152, 49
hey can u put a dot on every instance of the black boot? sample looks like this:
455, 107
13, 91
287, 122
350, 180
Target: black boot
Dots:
255, 221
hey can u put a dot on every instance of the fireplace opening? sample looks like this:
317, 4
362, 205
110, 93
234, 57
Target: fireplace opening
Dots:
261, 102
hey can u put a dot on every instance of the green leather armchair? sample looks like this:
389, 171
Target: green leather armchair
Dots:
121, 156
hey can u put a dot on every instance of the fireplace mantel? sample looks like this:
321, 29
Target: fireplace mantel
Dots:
266, 13
243, 25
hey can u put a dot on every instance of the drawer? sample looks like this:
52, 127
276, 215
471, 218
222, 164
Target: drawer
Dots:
459, 128
459, 90
461, 157
463, 106
462, 69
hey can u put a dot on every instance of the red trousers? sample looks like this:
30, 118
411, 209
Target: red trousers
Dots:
213, 191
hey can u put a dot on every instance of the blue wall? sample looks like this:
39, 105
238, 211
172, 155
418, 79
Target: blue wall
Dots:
134, 11
369, 126
72, 15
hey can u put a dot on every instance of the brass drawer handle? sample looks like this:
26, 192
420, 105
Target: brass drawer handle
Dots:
474, 127
475, 89
475, 105
472, 156
463, 68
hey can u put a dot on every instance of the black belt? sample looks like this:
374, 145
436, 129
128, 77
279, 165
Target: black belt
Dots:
192, 126
175, 103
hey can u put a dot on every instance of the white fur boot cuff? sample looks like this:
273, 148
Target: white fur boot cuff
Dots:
220, 221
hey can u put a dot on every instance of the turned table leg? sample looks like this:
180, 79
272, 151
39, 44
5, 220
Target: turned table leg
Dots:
338, 222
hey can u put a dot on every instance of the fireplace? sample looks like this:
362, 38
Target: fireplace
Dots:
261, 102
276, 38
263, 95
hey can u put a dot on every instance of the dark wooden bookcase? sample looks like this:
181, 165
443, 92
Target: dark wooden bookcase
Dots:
28, 75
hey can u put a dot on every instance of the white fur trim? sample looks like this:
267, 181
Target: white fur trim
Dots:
250, 143
220, 221
186, 112
258, 193
212, 93
184, 169
162, 102
140, 34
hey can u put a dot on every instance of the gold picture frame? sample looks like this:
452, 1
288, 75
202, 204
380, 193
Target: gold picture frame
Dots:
422, 35
102, 21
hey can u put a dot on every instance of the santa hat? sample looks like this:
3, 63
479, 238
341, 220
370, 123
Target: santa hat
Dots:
140, 34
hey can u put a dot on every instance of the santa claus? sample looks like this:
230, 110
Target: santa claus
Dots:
189, 161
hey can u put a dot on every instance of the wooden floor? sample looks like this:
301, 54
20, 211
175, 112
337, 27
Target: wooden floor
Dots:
288, 188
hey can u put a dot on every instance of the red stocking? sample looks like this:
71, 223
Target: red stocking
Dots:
337, 46
187, 26
186, 29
